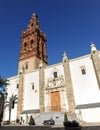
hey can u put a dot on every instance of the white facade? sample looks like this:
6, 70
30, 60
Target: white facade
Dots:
85, 86
85, 89
31, 95
72, 86
11, 90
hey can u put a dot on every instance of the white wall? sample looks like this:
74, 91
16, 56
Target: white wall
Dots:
31, 96
86, 89
12, 89
89, 115
49, 71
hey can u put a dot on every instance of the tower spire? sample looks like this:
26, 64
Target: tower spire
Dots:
33, 46
33, 23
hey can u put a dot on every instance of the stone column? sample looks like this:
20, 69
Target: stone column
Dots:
95, 56
68, 85
20, 93
41, 89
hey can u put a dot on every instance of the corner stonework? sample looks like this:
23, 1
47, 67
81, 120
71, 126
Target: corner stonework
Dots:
41, 88
95, 56
20, 93
68, 85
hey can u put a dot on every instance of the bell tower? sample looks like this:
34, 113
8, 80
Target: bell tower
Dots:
33, 47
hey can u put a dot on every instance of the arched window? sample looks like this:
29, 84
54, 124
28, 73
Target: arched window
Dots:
32, 43
55, 74
32, 25
32, 85
26, 66
25, 45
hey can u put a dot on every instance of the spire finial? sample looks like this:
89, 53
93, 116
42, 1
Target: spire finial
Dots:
93, 47
65, 58
34, 15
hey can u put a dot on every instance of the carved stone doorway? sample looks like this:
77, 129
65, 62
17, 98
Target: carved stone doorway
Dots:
55, 101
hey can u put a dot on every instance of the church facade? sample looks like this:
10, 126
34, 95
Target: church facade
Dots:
71, 86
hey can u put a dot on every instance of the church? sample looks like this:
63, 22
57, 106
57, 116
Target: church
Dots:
48, 91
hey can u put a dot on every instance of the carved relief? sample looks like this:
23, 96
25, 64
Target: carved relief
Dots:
55, 81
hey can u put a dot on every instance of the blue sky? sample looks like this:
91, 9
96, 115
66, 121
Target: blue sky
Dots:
70, 25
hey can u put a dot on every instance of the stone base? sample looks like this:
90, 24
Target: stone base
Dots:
73, 128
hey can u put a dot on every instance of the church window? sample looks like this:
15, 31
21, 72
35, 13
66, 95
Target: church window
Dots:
83, 70
17, 86
32, 42
26, 66
33, 86
55, 74
32, 25
25, 45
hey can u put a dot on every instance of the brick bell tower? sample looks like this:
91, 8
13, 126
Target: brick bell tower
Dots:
33, 47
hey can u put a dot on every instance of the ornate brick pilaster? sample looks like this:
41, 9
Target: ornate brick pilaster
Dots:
95, 56
68, 85
41, 89
20, 94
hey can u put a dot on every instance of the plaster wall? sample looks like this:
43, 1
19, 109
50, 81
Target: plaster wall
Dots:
85, 86
89, 115
11, 90
31, 96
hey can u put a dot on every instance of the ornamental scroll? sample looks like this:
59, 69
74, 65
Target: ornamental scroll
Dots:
55, 82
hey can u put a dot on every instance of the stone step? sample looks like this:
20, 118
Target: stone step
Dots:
58, 117
30, 128
44, 128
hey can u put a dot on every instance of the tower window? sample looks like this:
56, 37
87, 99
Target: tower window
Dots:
26, 66
33, 86
55, 74
32, 42
25, 45
32, 25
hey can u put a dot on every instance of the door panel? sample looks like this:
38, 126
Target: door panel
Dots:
55, 101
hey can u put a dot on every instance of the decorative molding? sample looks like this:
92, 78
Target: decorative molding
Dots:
55, 82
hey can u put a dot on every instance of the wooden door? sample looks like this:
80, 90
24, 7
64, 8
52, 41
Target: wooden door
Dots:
55, 101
